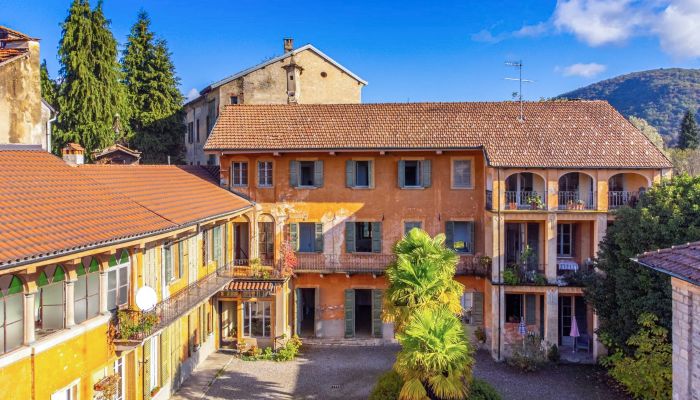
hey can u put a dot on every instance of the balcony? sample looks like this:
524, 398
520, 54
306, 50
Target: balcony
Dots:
525, 200
525, 274
573, 273
474, 265
576, 200
617, 199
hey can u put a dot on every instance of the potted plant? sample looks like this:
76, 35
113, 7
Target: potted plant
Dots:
570, 205
580, 204
535, 202
512, 205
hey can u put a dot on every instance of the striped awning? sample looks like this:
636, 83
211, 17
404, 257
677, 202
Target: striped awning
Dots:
249, 285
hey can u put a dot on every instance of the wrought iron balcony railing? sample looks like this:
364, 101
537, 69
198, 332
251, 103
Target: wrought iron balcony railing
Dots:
524, 274
577, 200
525, 200
617, 199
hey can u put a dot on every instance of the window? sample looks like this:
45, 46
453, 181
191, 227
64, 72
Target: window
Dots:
514, 307
408, 225
266, 241
11, 313
305, 173
211, 159
196, 129
167, 260
50, 303
306, 237
234, 99
67, 393
256, 318
153, 361
180, 259
87, 292
239, 173
565, 236
359, 174
119, 371
462, 174
363, 237
460, 236
414, 173
265, 173
118, 281
211, 116
190, 132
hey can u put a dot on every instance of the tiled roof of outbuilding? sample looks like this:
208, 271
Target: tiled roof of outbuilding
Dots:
555, 133
682, 262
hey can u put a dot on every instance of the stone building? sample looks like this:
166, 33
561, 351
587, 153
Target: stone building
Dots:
299, 76
117, 154
24, 117
682, 263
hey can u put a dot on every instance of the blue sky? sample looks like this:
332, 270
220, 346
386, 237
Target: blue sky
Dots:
408, 50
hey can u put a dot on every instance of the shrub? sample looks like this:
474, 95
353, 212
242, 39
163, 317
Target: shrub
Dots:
539, 279
510, 276
387, 387
288, 352
529, 356
481, 390
553, 353
480, 335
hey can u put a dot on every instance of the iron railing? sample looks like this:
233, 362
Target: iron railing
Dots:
473, 265
351, 263
577, 200
617, 199
526, 274
525, 200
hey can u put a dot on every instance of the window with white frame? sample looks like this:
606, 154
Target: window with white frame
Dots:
265, 173
239, 173
154, 362
462, 174
118, 281
121, 386
256, 318
70, 392
50, 302
11, 313
87, 292
167, 260
565, 238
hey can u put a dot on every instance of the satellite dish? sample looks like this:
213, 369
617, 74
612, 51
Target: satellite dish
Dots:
146, 298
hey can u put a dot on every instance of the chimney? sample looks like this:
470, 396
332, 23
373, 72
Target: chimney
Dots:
288, 45
73, 154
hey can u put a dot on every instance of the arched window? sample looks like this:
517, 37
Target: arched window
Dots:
118, 281
11, 313
50, 303
87, 291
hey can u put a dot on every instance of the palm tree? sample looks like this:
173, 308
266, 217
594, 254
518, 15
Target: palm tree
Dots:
435, 360
421, 277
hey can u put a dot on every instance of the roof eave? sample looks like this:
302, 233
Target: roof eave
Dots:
666, 272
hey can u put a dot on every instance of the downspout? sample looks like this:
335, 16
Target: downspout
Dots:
48, 131
500, 256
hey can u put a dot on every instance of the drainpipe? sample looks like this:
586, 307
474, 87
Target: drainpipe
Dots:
48, 131
500, 286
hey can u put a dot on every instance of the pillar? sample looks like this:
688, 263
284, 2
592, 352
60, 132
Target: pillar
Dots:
600, 228
498, 248
550, 254
70, 303
103, 292
498, 319
551, 316
29, 299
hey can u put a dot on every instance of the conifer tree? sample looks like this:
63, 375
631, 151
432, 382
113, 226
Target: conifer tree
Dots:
689, 135
152, 87
49, 87
92, 96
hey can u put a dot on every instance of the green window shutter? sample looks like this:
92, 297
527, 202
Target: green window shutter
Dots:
530, 309
294, 235
94, 266
349, 313
318, 173
376, 237
349, 173
377, 324
124, 257
164, 357
16, 286
477, 308
425, 167
294, 173
449, 234
59, 275
370, 169
402, 173
146, 370
319, 237
167, 262
349, 237
80, 269
216, 232
42, 280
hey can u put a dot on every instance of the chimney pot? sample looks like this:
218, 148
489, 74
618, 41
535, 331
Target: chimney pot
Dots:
73, 154
288, 44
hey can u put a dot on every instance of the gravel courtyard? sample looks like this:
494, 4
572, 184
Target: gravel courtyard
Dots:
333, 372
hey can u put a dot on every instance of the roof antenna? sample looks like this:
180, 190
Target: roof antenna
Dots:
519, 94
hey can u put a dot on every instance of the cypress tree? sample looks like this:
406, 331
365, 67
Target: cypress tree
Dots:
152, 87
689, 135
92, 96
49, 87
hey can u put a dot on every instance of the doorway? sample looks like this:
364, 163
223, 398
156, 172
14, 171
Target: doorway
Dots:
228, 323
572, 307
240, 241
307, 312
363, 312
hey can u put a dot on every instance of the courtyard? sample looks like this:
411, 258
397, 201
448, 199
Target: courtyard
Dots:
349, 372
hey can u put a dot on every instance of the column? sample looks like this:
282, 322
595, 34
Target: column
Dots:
499, 248
551, 316
103, 292
550, 254
29, 317
70, 303
498, 319
600, 228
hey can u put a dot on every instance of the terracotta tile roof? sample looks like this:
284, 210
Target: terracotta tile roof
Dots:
181, 194
46, 208
682, 262
11, 34
8, 54
554, 134
249, 285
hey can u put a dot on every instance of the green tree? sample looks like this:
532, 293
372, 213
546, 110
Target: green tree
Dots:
49, 87
92, 96
685, 161
436, 358
689, 134
666, 215
157, 119
421, 277
646, 374
649, 131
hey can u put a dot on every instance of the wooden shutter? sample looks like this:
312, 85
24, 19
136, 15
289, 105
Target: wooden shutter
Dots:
349, 237
318, 173
294, 173
216, 233
167, 254
530, 309
180, 259
146, 369
402, 173
376, 237
449, 234
377, 313
164, 357
477, 308
349, 173
370, 172
426, 169
319, 238
349, 313
294, 235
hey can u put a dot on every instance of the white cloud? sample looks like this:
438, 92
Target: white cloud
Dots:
485, 36
588, 70
678, 28
532, 30
192, 94
598, 22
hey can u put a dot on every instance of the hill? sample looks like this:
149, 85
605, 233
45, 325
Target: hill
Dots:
660, 96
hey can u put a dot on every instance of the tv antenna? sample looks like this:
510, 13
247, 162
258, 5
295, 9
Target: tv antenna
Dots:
519, 66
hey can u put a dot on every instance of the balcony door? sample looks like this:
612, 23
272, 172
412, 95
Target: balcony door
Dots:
192, 260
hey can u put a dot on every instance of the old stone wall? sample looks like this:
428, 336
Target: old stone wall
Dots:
686, 340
